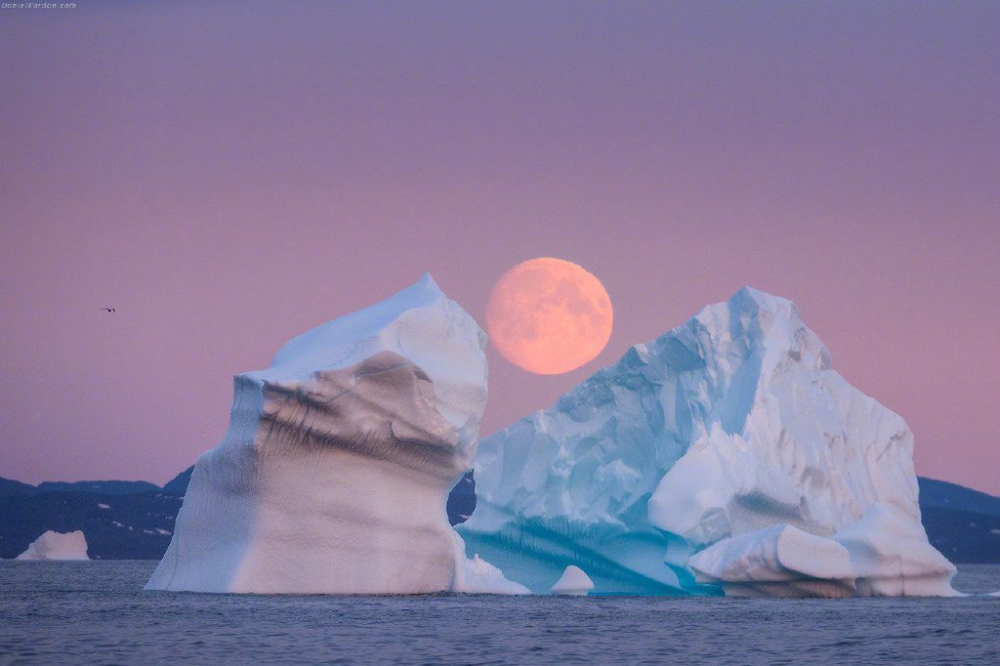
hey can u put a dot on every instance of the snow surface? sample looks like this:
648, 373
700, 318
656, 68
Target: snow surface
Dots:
726, 455
53, 546
574, 581
335, 471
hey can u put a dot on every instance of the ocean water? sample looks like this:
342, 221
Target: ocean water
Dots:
97, 613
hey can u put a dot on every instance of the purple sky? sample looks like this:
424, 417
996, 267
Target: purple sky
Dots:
229, 175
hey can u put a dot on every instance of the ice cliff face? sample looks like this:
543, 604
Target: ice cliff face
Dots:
336, 467
726, 454
57, 546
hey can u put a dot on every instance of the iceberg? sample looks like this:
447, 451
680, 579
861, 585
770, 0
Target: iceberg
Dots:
726, 456
573, 582
57, 546
336, 467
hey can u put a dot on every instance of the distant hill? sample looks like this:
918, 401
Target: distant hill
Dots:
944, 495
179, 484
135, 519
11, 487
101, 487
963, 537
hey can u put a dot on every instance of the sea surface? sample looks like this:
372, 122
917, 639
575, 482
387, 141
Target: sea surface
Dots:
97, 613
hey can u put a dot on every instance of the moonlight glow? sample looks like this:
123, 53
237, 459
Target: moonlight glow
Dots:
549, 316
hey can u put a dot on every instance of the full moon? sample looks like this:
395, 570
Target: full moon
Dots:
549, 316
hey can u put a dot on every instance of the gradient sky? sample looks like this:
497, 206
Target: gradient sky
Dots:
228, 175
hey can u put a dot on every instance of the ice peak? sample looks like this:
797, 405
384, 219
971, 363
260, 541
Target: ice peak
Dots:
423, 291
755, 320
427, 282
761, 299
750, 304
419, 310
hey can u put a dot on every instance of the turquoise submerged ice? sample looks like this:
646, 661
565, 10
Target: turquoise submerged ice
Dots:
725, 456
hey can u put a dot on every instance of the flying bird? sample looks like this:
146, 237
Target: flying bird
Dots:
108, 309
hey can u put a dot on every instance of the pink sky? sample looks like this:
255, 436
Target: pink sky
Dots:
228, 175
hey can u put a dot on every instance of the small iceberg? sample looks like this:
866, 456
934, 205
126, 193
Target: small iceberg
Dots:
574, 582
57, 546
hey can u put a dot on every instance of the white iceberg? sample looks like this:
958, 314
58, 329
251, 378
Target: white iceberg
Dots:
57, 546
336, 467
726, 455
573, 582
